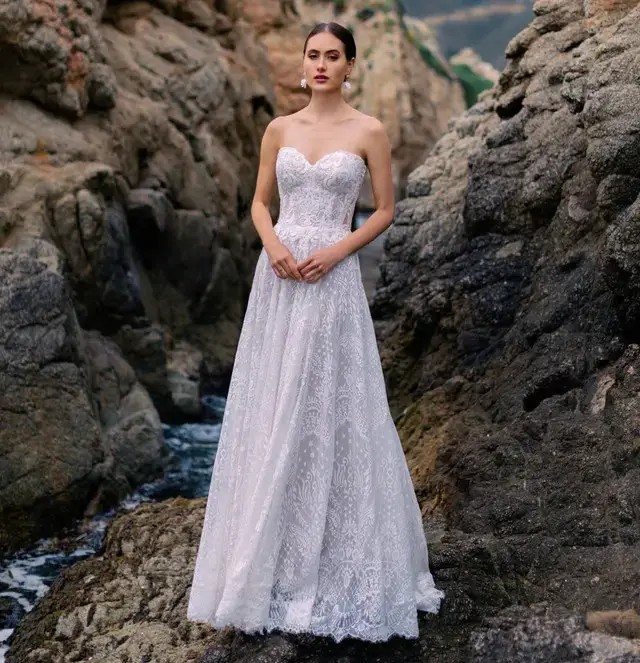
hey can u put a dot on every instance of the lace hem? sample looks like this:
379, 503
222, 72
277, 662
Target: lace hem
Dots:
428, 599
325, 633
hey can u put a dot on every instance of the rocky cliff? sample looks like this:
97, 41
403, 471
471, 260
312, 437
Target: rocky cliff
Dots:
507, 313
127, 136
129, 140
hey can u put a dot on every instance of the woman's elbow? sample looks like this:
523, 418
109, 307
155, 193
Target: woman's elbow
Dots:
387, 212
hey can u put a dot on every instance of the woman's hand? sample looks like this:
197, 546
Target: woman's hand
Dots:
282, 262
319, 263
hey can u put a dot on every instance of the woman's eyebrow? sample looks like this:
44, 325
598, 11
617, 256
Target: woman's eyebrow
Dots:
331, 50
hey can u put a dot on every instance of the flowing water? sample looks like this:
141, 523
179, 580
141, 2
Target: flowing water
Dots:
26, 576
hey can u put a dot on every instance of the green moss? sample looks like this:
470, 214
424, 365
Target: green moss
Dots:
427, 56
432, 61
472, 83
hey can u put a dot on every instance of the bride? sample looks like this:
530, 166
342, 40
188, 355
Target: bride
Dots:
312, 523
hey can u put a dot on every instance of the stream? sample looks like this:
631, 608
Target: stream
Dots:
25, 577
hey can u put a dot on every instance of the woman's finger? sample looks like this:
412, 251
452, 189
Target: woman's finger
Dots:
309, 268
288, 268
295, 272
315, 273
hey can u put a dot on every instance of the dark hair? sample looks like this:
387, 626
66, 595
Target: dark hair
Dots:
343, 34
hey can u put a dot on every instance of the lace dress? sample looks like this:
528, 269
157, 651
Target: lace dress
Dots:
312, 523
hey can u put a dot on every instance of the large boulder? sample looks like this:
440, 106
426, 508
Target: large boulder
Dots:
128, 139
128, 136
508, 318
77, 430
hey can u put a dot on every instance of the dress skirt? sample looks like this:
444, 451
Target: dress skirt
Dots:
312, 523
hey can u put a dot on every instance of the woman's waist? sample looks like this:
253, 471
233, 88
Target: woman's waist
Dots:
322, 229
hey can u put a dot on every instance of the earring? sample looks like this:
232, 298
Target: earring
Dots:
303, 82
346, 85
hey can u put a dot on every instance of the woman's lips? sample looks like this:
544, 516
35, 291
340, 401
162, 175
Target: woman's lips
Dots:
321, 78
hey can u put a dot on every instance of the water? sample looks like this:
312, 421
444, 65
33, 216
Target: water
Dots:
26, 576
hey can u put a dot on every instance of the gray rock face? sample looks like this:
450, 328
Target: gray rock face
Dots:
507, 311
77, 430
50, 441
128, 603
52, 54
548, 634
147, 193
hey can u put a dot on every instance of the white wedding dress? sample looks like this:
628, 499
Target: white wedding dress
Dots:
312, 523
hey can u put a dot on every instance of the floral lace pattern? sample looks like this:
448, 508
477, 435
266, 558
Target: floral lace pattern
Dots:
312, 523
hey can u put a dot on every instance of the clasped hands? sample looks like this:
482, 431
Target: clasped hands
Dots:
316, 265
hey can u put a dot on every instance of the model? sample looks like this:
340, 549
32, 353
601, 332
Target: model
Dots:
312, 523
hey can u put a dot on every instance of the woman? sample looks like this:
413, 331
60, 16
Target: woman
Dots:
312, 524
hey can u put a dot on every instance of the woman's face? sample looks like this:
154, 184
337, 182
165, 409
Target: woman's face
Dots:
325, 57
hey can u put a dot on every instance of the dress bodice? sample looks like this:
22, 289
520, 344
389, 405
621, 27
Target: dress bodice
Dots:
320, 195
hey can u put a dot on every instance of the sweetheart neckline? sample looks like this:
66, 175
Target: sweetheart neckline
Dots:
324, 156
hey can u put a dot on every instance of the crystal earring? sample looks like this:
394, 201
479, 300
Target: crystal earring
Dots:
346, 85
303, 82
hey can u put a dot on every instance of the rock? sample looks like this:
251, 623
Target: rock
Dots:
132, 430
130, 601
624, 623
126, 148
145, 348
50, 440
127, 602
184, 369
51, 53
78, 431
544, 633
512, 265
178, 142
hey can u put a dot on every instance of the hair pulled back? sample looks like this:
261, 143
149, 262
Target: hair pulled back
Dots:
343, 34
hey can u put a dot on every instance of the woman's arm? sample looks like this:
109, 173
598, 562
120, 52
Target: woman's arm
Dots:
378, 153
282, 262
265, 183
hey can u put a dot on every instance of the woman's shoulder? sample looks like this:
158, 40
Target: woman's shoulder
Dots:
369, 121
277, 122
